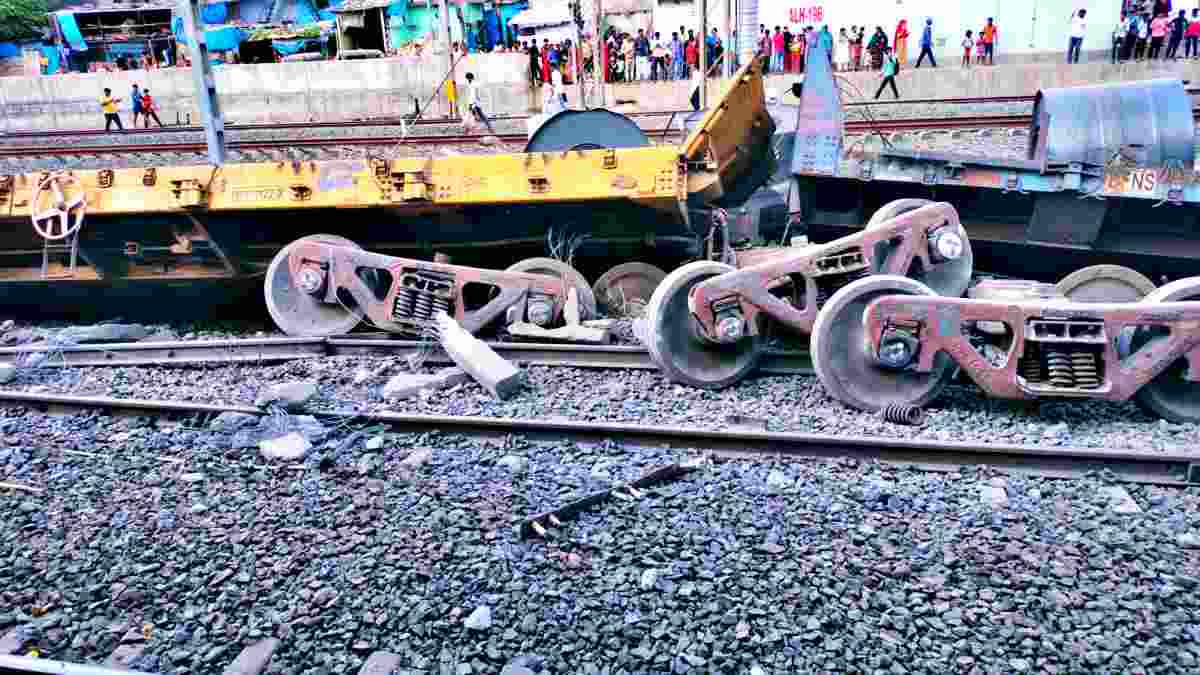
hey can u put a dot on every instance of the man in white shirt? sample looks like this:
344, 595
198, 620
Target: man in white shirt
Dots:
1078, 32
472, 99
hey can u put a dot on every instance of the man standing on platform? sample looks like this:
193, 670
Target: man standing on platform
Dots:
926, 45
988, 37
1078, 32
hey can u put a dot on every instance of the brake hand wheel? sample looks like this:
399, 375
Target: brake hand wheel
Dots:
55, 222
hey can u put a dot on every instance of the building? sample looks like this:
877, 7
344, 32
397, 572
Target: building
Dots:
110, 35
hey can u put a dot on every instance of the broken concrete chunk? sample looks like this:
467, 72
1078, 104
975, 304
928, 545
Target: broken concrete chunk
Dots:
417, 458
408, 385
576, 333
7, 372
514, 463
253, 659
1120, 501
290, 447
993, 495
292, 396
374, 443
232, 421
501, 378
106, 332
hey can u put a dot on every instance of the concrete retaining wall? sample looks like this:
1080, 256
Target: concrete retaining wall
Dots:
276, 92
349, 90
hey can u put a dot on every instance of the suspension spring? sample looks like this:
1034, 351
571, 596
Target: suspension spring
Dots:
1085, 369
405, 301
424, 309
909, 415
827, 286
1030, 365
1062, 374
441, 304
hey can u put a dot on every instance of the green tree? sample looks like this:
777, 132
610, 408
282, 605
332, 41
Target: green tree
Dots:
22, 19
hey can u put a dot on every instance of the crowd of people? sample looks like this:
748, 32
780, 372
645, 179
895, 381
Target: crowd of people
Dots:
654, 57
1154, 35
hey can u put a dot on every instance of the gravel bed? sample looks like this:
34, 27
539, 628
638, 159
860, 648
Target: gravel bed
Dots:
787, 403
166, 537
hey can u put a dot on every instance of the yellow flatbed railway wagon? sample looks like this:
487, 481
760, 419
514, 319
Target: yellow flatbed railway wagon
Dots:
109, 228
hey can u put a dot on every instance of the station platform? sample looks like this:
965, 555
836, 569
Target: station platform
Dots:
329, 91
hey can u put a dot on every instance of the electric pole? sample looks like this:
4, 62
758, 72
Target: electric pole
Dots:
202, 79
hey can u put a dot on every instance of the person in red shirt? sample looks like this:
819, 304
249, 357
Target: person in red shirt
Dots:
1191, 36
149, 109
691, 53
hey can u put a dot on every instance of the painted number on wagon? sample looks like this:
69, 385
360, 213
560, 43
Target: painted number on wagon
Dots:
813, 13
1140, 182
257, 194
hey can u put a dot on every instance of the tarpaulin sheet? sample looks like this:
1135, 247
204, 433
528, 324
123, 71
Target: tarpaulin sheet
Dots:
126, 49
306, 13
52, 58
70, 30
9, 50
223, 39
289, 47
215, 12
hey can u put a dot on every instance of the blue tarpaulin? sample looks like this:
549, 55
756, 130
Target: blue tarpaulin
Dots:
127, 48
214, 13
305, 13
289, 47
8, 50
52, 60
70, 30
220, 39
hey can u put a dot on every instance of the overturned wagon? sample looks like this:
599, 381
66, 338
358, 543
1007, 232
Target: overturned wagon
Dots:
1107, 176
581, 175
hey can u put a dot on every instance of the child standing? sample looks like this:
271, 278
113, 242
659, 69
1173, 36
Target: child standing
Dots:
967, 45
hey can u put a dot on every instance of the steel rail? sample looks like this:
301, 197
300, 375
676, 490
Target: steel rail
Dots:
275, 350
1134, 467
25, 665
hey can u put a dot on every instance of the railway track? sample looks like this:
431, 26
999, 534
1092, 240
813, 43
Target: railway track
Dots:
275, 350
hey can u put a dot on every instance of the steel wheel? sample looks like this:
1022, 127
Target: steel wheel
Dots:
552, 267
841, 358
673, 340
949, 278
1169, 395
625, 289
1105, 283
296, 312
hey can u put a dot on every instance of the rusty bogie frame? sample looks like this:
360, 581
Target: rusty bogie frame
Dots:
402, 295
894, 247
1054, 349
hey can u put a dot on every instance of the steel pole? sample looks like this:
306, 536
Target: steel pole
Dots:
202, 80
598, 68
444, 8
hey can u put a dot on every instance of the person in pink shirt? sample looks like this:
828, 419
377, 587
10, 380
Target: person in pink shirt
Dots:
1158, 32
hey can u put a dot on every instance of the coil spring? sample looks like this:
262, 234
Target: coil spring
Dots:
424, 308
909, 415
1062, 374
1085, 369
441, 304
1030, 365
827, 286
404, 303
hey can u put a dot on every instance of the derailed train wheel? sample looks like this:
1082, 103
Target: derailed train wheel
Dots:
676, 343
1105, 283
950, 277
300, 313
552, 267
625, 290
1169, 395
843, 361
596, 129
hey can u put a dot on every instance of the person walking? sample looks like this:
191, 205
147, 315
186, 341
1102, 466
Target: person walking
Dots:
1118, 38
135, 99
475, 107
967, 44
108, 105
927, 45
900, 42
1178, 25
1078, 32
988, 37
149, 109
1191, 37
890, 67
1158, 33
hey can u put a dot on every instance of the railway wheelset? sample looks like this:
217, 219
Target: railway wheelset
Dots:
889, 326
